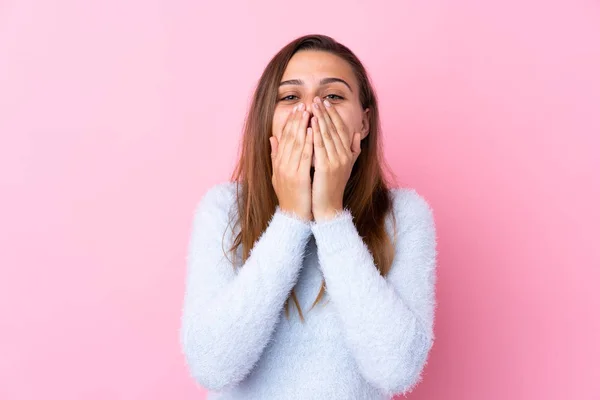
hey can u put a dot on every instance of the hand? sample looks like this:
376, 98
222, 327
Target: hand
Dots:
292, 157
335, 154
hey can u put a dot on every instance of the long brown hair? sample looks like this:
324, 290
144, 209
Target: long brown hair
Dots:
366, 194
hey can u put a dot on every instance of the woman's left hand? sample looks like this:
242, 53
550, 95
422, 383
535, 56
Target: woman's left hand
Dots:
335, 154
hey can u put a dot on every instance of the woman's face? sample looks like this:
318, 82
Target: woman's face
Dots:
312, 73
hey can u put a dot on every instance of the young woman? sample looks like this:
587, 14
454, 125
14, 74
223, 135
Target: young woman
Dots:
308, 219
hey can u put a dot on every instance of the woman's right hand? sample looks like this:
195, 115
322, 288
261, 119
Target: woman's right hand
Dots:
292, 158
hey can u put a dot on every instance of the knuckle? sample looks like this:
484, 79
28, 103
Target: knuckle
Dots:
292, 179
304, 179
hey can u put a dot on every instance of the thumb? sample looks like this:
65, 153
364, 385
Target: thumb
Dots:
356, 145
274, 145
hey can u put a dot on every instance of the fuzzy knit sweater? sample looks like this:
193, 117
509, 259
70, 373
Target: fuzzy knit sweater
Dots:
368, 338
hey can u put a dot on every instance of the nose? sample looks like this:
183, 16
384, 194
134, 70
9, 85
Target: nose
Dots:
310, 112
309, 109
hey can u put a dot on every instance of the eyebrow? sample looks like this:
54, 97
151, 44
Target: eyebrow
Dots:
323, 82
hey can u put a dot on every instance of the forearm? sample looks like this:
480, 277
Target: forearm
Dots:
386, 337
226, 328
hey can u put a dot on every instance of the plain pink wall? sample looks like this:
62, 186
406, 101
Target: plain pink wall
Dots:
116, 116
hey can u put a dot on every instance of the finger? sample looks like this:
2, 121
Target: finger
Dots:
292, 143
285, 130
320, 151
339, 124
326, 134
298, 146
291, 137
307, 154
333, 131
285, 133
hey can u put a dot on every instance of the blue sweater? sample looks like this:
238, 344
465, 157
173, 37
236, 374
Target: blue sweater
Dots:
368, 338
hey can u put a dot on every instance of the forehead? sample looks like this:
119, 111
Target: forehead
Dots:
311, 64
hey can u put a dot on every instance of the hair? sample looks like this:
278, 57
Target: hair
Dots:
366, 195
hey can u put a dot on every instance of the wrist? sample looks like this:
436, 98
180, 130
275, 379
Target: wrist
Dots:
328, 214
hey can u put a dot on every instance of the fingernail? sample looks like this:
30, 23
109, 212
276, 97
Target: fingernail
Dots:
316, 106
301, 106
327, 103
295, 108
304, 114
317, 99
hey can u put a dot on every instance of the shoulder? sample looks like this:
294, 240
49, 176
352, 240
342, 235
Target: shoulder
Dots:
217, 200
411, 209
219, 193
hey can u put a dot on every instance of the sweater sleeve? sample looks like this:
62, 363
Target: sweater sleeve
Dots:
388, 322
228, 316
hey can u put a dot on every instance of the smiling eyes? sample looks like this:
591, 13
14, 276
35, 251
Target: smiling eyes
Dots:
333, 97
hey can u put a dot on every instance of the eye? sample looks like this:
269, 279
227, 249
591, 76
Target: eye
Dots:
288, 98
335, 97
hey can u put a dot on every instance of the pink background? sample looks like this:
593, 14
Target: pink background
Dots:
116, 116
